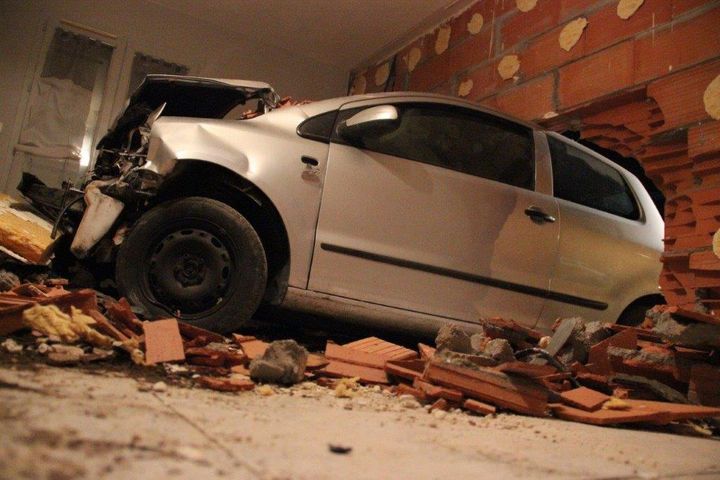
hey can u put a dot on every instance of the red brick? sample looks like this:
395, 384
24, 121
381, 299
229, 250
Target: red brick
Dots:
530, 100
486, 81
254, 348
680, 96
163, 342
544, 53
403, 389
525, 25
680, 7
407, 369
479, 407
488, 10
426, 351
382, 348
365, 374
597, 75
440, 404
584, 398
349, 355
704, 139
704, 381
441, 68
605, 28
682, 45
226, 384
574, 8
517, 394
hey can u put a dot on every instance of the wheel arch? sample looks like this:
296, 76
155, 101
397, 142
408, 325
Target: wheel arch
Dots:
206, 179
644, 302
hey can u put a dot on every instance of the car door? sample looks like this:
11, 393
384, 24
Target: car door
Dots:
608, 254
431, 217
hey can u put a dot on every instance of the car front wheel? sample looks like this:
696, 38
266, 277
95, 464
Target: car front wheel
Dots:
196, 259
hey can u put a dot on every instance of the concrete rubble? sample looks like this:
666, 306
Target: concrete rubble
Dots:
592, 373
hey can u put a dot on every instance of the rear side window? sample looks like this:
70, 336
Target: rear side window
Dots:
581, 178
460, 139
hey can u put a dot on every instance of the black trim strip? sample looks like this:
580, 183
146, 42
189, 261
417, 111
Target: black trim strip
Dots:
468, 277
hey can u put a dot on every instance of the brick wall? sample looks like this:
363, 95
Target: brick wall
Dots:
638, 86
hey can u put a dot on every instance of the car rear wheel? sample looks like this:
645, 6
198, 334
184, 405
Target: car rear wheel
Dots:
196, 259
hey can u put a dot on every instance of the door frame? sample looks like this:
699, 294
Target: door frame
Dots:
36, 63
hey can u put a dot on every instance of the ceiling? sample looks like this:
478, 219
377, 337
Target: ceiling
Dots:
341, 33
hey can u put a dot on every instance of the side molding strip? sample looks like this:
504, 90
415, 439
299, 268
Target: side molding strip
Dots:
468, 277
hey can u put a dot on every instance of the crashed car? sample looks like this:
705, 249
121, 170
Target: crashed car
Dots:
406, 209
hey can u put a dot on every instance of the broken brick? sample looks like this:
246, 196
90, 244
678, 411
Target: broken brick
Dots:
163, 342
584, 398
426, 351
386, 350
334, 351
365, 374
254, 348
191, 332
226, 384
479, 407
403, 389
120, 312
12, 307
408, 369
516, 394
439, 404
434, 391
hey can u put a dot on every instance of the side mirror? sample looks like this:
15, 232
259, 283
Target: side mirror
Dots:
375, 120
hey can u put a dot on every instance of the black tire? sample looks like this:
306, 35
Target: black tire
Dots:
196, 259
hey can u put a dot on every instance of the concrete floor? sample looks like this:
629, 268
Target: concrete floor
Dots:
96, 422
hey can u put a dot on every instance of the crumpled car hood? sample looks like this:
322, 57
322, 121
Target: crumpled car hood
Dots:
184, 97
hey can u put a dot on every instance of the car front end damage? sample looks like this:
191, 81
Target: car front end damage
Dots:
125, 181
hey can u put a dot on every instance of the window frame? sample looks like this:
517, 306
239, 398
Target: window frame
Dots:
551, 136
350, 109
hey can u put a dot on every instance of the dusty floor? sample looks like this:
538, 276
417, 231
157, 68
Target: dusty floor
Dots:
62, 423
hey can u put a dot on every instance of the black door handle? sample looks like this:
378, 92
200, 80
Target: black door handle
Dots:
309, 161
537, 215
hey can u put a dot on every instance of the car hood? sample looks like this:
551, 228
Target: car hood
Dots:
184, 97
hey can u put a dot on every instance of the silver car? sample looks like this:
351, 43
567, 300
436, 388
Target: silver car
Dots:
406, 209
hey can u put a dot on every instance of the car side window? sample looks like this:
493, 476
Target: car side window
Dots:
581, 178
319, 127
460, 139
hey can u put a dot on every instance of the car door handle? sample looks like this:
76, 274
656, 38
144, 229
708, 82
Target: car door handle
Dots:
309, 161
537, 215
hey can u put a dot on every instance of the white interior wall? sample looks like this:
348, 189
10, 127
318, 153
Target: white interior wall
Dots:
151, 29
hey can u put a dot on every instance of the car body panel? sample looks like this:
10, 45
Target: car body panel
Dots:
267, 152
396, 232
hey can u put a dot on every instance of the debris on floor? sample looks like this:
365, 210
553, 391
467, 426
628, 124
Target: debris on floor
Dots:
665, 372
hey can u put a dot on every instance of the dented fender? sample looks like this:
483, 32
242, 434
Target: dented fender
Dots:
170, 143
